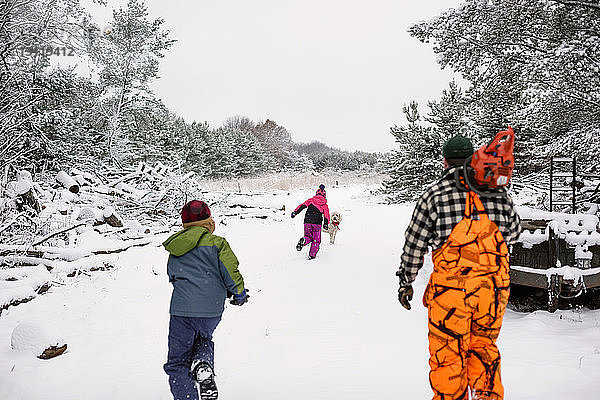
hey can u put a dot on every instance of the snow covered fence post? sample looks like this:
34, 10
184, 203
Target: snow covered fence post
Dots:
67, 181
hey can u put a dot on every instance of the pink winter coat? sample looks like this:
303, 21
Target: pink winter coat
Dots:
316, 209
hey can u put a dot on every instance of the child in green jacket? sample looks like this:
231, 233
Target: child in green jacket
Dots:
204, 271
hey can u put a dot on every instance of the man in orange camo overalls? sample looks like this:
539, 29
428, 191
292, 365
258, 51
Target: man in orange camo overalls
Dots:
468, 289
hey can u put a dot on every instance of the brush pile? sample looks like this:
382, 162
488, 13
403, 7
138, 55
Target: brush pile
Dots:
73, 223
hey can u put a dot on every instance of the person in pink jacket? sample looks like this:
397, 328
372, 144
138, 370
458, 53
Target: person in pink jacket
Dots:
317, 213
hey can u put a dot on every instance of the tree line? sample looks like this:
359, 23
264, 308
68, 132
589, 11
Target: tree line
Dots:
55, 117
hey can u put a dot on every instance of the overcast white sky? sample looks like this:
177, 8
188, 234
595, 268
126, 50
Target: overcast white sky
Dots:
337, 71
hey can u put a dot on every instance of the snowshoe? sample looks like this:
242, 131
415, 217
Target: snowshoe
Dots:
300, 244
203, 374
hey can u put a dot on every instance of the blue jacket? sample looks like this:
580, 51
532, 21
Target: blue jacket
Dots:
203, 269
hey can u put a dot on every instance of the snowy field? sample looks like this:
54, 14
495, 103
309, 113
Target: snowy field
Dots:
329, 328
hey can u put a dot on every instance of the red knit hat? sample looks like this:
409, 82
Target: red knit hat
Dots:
195, 210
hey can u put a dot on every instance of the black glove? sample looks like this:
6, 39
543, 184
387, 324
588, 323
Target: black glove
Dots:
240, 299
405, 291
293, 214
326, 226
405, 294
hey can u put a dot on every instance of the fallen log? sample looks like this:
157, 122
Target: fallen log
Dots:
15, 303
53, 351
44, 288
86, 256
90, 214
21, 285
83, 266
28, 253
50, 253
67, 181
244, 216
111, 217
23, 261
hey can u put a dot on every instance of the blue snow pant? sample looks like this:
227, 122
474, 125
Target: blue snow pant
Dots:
190, 339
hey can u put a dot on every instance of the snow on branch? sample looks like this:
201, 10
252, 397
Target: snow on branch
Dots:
595, 6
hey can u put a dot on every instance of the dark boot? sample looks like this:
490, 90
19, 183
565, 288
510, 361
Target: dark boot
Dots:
300, 244
203, 374
208, 389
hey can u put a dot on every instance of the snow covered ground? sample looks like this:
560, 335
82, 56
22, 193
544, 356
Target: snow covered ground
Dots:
329, 328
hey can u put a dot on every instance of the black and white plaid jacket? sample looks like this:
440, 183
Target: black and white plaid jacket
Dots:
439, 209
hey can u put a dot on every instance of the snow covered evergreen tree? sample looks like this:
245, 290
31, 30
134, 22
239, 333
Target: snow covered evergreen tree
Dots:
326, 157
532, 64
449, 115
28, 29
128, 57
249, 158
143, 125
417, 161
414, 163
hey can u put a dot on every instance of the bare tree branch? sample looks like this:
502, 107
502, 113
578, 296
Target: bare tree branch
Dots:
594, 6
46, 238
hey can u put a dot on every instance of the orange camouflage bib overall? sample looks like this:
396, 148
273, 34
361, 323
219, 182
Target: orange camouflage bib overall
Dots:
466, 297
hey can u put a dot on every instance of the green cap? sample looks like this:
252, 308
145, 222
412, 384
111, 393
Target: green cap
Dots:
457, 147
